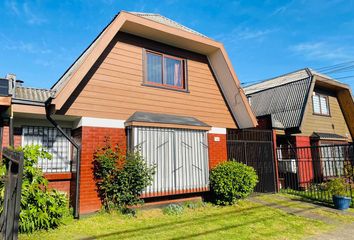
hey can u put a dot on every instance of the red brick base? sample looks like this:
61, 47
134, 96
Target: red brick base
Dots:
217, 149
59, 181
91, 139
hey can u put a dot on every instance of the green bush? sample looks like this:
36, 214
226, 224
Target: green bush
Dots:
41, 208
337, 187
230, 181
120, 177
173, 209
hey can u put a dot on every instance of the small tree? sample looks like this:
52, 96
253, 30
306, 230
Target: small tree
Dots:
41, 208
120, 178
230, 181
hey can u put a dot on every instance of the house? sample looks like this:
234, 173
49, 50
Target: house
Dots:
145, 81
305, 108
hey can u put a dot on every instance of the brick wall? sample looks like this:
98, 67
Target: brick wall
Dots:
91, 139
17, 137
217, 149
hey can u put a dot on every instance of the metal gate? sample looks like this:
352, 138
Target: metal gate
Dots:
180, 157
254, 148
12, 199
304, 170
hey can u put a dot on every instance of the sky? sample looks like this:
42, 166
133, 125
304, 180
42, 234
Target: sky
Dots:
40, 39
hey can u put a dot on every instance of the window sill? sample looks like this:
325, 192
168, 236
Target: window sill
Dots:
165, 88
321, 115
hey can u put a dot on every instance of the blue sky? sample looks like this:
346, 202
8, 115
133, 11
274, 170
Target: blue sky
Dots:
39, 40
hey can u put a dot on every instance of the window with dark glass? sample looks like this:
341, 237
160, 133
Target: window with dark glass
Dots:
320, 104
164, 70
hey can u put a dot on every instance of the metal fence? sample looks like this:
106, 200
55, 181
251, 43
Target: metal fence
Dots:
305, 170
254, 148
10, 209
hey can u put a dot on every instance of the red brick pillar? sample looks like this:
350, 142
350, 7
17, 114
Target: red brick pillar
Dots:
93, 138
305, 163
217, 149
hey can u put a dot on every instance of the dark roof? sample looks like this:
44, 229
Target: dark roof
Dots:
284, 79
165, 119
284, 103
32, 94
327, 136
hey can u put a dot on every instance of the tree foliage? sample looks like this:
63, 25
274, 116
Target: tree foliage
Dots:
41, 208
230, 181
120, 178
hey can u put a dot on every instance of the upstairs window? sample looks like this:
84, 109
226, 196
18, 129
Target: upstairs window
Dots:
320, 104
165, 71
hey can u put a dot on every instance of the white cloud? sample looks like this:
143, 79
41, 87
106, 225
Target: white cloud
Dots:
24, 47
13, 7
24, 11
244, 34
323, 50
32, 18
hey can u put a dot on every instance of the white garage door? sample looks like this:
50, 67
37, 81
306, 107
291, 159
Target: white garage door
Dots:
180, 157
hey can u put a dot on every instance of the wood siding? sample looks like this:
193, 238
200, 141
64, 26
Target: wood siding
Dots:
114, 87
335, 123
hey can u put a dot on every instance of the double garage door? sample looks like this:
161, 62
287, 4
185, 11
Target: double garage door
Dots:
180, 157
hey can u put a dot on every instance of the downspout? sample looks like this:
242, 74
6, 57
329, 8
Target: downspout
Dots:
49, 112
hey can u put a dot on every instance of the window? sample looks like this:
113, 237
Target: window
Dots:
320, 104
53, 142
179, 155
164, 70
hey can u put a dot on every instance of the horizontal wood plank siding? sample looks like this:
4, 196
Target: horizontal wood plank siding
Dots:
335, 123
115, 88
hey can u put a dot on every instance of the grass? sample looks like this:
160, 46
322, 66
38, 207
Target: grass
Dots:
297, 202
317, 195
246, 220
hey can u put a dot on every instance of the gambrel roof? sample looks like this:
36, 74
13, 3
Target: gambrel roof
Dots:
284, 98
158, 28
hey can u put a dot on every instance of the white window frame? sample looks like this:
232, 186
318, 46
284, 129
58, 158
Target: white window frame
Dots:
321, 111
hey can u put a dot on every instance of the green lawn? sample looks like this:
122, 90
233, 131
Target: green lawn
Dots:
245, 220
316, 195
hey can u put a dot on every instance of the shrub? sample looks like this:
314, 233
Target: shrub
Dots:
230, 181
41, 208
120, 177
337, 186
173, 209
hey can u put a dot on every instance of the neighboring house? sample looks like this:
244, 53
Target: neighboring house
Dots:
145, 81
305, 108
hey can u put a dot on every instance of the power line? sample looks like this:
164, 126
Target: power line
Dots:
341, 69
326, 68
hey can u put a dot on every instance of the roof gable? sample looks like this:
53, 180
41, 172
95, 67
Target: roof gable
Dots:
285, 97
284, 103
171, 35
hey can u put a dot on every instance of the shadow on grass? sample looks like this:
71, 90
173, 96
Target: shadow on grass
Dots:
166, 226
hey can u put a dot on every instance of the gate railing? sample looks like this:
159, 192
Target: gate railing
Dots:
12, 199
254, 148
305, 170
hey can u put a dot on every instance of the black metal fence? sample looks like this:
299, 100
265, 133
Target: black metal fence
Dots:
254, 148
10, 207
305, 170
